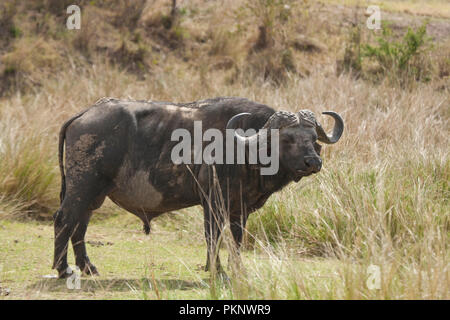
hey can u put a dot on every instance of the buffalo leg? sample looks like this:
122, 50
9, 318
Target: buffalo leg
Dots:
237, 226
71, 221
79, 246
65, 220
61, 240
78, 243
213, 228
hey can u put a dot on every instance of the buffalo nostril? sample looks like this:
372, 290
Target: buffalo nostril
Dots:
314, 163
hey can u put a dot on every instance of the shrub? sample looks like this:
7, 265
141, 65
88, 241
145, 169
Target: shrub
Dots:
30, 60
351, 63
131, 56
400, 61
270, 57
7, 27
403, 60
56, 7
129, 13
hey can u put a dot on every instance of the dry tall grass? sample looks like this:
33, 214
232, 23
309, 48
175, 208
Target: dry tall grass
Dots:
381, 198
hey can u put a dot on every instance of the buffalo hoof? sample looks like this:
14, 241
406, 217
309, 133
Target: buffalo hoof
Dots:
66, 273
220, 275
90, 270
218, 267
223, 277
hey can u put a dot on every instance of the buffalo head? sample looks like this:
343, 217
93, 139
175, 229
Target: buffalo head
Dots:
299, 152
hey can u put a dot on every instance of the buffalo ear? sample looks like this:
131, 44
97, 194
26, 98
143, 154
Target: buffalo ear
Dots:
318, 148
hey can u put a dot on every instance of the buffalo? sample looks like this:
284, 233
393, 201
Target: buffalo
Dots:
122, 149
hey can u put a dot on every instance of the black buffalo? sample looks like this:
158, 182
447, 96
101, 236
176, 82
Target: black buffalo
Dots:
121, 149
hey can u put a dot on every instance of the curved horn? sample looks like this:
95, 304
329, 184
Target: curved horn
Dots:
337, 130
232, 125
